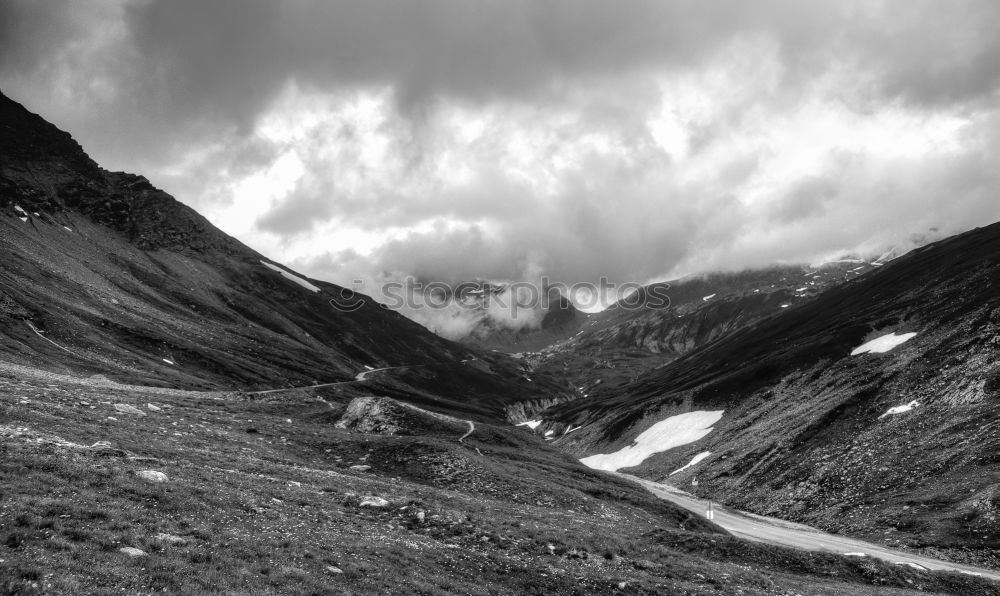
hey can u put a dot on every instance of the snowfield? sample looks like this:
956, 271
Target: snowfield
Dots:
694, 462
900, 409
883, 344
662, 436
532, 424
291, 276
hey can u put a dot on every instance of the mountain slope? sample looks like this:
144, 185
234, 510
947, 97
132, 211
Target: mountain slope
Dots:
281, 495
811, 432
102, 273
662, 321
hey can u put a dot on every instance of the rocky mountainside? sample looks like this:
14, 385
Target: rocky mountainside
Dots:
102, 273
340, 487
117, 489
894, 440
661, 322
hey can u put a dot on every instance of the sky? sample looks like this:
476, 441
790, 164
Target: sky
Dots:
451, 140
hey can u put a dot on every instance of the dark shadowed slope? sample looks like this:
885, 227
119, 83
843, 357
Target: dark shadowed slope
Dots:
100, 272
898, 447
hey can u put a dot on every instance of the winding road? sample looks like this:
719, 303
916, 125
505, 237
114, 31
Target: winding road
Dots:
363, 376
360, 377
784, 533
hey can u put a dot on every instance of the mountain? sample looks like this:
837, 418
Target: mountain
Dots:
660, 322
102, 273
894, 441
400, 476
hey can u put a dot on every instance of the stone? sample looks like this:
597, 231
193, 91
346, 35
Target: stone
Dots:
127, 409
373, 502
170, 538
152, 476
132, 552
361, 468
152, 408
334, 570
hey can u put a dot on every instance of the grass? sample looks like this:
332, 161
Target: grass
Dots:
274, 510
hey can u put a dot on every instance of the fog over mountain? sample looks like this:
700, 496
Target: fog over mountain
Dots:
451, 141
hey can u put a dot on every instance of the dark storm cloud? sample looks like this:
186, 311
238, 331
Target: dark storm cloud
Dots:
203, 64
177, 89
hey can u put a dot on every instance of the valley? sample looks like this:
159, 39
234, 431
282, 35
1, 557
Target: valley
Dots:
180, 414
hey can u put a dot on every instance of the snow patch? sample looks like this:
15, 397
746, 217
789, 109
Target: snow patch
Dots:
67, 229
291, 276
532, 424
900, 409
24, 219
19, 210
709, 297
694, 462
170, 362
662, 436
883, 344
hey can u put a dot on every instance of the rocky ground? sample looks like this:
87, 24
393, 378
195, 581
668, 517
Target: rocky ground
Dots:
110, 489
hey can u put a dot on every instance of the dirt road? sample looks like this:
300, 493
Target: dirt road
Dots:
785, 533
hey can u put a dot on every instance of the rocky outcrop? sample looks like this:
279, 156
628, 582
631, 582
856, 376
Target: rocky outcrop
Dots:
372, 415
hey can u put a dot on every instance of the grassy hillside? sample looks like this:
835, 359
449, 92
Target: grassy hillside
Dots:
264, 495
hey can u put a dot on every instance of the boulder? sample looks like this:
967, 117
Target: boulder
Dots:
132, 552
127, 409
152, 476
373, 502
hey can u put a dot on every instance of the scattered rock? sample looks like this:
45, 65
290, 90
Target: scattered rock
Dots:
153, 408
361, 468
373, 502
170, 538
127, 409
421, 516
551, 548
152, 476
132, 552
104, 449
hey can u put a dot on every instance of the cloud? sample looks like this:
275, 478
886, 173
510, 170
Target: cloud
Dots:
496, 139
